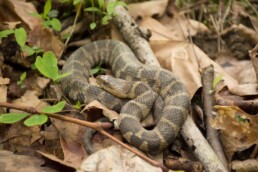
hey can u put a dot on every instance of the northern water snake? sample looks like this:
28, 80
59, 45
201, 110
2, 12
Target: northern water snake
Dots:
125, 65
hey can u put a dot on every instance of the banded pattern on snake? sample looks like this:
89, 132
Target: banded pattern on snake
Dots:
126, 66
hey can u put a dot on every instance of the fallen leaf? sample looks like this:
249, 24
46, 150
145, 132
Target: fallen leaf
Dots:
253, 54
112, 115
238, 129
116, 159
186, 60
12, 162
19, 10
142, 9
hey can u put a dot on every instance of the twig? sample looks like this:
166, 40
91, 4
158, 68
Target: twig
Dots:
72, 30
96, 126
212, 134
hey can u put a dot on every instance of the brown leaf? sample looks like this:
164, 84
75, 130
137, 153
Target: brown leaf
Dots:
112, 115
187, 60
71, 136
13, 10
142, 9
74, 153
45, 39
11, 162
238, 129
253, 54
119, 159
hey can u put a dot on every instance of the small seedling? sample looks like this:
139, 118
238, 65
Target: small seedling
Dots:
22, 78
49, 17
97, 69
47, 66
21, 38
77, 105
36, 119
106, 14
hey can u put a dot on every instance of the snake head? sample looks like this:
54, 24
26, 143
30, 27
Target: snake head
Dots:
118, 87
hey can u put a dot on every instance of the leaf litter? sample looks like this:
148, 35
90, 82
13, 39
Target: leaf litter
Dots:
170, 43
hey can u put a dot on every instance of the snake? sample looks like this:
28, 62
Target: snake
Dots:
125, 65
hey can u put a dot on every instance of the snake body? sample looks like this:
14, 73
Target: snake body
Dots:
126, 66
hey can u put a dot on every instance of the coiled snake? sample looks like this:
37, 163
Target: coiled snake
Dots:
126, 66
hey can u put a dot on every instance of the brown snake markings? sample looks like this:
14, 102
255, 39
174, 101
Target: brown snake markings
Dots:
125, 65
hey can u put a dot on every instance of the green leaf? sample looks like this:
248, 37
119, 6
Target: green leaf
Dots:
10, 118
63, 1
47, 23
33, 66
216, 81
55, 23
28, 50
77, 105
5, 33
36, 120
65, 36
101, 3
76, 2
93, 25
111, 7
55, 108
105, 19
47, 65
20, 36
36, 15
121, 3
37, 49
47, 8
92, 9
63, 75
52, 13
23, 76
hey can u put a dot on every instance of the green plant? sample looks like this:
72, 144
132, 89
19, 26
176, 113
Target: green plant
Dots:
97, 69
77, 105
32, 120
216, 81
105, 10
47, 66
22, 78
49, 17
20, 37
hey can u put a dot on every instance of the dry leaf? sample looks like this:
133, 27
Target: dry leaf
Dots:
12, 162
54, 158
74, 153
183, 26
110, 114
238, 129
187, 60
48, 41
142, 9
159, 32
13, 11
253, 54
29, 99
116, 159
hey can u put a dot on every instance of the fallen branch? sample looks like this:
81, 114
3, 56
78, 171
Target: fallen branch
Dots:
208, 101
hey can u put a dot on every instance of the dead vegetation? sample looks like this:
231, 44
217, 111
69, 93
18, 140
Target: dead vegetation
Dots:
184, 37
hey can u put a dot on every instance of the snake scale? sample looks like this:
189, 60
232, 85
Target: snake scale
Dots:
126, 66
